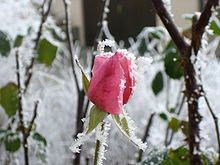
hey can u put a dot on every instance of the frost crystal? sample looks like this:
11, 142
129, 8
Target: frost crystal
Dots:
106, 42
106, 30
81, 138
102, 135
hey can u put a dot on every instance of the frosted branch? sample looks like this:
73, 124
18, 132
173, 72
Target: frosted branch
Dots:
45, 14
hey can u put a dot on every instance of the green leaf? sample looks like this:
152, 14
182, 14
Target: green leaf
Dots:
122, 122
173, 67
9, 98
163, 116
85, 82
172, 110
18, 41
12, 142
155, 35
96, 116
38, 137
179, 156
174, 124
46, 52
215, 26
157, 83
142, 47
5, 46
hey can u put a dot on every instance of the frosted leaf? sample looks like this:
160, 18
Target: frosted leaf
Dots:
102, 132
133, 137
126, 126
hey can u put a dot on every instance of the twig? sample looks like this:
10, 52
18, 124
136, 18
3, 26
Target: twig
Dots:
99, 32
146, 134
214, 117
29, 71
86, 108
216, 124
33, 119
198, 27
178, 113
20, 110
178, 104
70, 42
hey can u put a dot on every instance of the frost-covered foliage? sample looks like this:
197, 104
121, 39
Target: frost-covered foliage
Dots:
55, 88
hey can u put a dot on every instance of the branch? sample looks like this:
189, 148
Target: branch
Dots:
146, 134
20, 94
37, 41
33, 119
170, 26
70, 42
20, 110
198, 27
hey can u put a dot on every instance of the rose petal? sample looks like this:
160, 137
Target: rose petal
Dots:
125, 63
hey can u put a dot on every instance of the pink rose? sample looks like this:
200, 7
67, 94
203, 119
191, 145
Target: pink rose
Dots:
113, 80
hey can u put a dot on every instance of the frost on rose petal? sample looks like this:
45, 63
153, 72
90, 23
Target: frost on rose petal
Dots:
102, 132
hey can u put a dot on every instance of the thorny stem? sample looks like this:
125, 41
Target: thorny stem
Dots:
170, 26
146, 134
189, 71
20, 111
37, 41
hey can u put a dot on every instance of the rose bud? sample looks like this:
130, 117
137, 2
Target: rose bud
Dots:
113, 80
